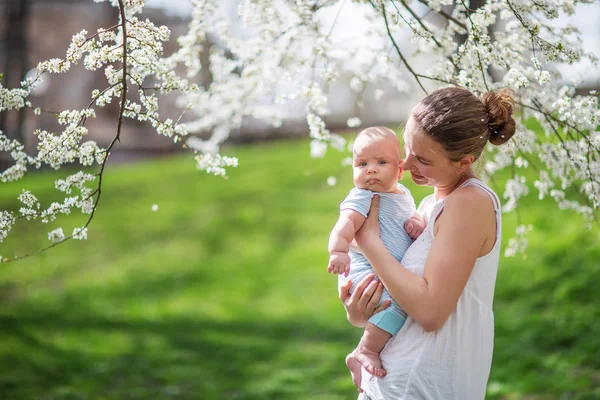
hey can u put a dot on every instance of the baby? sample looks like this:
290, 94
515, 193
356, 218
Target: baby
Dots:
377, 166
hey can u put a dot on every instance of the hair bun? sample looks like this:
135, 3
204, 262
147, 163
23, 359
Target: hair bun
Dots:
499, 106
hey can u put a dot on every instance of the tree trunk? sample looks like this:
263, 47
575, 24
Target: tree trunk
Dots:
14, 67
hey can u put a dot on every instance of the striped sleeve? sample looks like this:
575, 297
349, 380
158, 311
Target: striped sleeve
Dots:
403, 188
358, 200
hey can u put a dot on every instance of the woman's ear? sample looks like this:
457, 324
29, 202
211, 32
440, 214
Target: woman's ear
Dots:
465, 163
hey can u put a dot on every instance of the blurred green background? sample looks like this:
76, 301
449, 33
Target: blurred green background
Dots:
223, 292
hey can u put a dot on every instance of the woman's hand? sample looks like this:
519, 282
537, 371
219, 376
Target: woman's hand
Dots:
362, 304
368, 234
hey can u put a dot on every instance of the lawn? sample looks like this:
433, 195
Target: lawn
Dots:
223, 292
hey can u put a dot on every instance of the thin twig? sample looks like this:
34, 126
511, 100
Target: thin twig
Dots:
406, 64
564, 146
108, 149
445, 15
420, 21
476, 39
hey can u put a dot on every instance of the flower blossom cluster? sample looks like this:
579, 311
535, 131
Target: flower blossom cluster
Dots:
288, 55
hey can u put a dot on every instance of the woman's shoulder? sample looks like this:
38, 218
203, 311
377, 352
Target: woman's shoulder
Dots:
473, 193
474, 202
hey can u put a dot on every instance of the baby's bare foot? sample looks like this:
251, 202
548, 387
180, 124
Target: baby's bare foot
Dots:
355, 370
370, 360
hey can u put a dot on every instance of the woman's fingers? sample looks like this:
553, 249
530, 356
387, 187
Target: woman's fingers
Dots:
383, 306
369, 232
368, 294
360, 288
374, 210
345, 291
374, 300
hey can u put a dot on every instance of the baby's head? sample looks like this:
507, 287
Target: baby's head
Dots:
376, 159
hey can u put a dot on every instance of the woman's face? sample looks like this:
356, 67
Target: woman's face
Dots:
426, 159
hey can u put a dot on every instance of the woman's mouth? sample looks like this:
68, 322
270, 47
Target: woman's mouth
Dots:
415, 175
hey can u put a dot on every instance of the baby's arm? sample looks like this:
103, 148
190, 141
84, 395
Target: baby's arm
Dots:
339, 241
414, 226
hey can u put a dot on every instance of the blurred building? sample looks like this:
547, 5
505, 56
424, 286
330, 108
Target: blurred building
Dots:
35, 30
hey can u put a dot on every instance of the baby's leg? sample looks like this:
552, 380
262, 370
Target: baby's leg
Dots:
367, 354
371, 344
355, 370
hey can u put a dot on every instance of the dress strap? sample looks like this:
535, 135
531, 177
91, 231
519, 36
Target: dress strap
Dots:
497, 208
437, 209
484, 187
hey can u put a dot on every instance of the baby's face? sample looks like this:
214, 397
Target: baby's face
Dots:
376, 164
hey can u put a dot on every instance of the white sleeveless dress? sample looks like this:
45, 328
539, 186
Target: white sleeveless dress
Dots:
452, 363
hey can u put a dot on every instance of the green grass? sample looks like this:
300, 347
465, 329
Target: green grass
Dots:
223, 293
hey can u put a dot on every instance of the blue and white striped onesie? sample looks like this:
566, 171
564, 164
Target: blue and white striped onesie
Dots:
394, 210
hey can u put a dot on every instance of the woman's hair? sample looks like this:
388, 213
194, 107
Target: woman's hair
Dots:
462, 123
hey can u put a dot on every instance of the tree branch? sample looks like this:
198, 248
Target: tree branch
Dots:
406, 64
108, 149
445, 15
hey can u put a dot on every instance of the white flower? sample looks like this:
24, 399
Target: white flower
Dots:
215, 164
317, 148
80, 233
337, 142
357, 85
28, 199
56, 235
331, 181
519, 243
354, 122
347, 162
154, 207
7, 220
515, 189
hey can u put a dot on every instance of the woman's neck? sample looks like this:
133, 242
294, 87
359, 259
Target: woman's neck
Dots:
443, 191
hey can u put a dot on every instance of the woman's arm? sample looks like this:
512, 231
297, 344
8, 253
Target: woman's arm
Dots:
463, 228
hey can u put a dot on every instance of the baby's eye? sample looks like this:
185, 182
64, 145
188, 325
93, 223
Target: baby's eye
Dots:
362, 164
381, 162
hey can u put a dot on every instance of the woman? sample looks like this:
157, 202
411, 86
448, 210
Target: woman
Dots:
446, 279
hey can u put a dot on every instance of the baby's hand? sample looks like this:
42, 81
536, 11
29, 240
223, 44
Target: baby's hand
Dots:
414, 226
339, 263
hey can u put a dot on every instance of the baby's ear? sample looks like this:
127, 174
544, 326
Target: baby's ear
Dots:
400, 170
